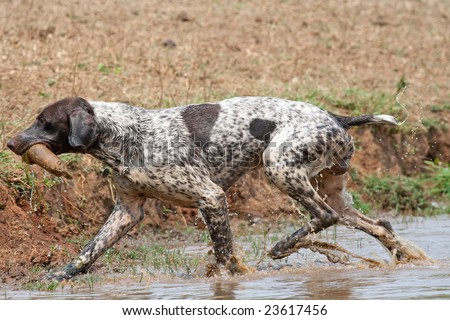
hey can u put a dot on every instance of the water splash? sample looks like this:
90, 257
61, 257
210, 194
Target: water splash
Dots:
397, 99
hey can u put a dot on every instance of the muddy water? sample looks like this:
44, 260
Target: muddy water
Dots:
305, 275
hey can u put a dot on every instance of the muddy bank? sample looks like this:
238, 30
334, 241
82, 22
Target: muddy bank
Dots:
401, 152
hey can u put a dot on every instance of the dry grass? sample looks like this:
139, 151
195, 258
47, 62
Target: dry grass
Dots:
113, 50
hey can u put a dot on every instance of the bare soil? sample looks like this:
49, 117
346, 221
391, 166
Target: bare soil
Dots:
162, 55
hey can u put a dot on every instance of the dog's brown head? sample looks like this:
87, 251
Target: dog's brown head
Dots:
64, 126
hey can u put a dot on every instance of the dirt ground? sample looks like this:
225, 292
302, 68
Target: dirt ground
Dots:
161, 55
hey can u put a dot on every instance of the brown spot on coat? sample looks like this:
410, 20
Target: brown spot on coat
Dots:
261, 129
200, 120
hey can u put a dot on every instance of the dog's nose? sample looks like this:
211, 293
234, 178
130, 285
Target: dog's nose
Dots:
11, 144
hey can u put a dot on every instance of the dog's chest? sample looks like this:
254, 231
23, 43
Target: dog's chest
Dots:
172, 184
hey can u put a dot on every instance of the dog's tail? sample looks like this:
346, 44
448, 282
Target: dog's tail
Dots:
354, 121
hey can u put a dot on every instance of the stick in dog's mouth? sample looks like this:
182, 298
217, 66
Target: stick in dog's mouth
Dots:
42, 156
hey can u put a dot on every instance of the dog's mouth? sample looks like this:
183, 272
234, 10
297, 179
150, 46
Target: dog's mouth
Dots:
44, 157
24, 151
20, 148
42, 153
45, 144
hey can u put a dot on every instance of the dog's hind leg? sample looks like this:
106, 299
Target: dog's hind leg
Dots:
322, 217
127, 212
288, 164
331, 187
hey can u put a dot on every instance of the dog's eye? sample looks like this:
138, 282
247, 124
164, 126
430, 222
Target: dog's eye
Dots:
49, 127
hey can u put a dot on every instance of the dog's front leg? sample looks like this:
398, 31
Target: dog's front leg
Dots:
215, 214
127, 212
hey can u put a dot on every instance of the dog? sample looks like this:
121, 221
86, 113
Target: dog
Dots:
190, 155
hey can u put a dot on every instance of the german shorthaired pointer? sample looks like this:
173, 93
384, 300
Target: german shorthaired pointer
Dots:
190, 156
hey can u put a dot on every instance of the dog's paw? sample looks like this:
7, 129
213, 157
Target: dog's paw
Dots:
236, 267
57, 276
281, 250
233, 266
385, 223
67, 273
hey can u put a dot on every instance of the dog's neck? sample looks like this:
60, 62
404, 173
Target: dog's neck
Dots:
119, 142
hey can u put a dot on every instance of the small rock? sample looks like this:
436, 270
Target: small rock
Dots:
169, 43
184, 17
44, 33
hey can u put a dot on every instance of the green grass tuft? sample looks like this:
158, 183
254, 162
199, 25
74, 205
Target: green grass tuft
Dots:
41, 285
360, 204
156, 258
439, 180
417, 195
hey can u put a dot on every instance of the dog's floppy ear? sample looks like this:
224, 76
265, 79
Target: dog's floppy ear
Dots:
83, 129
